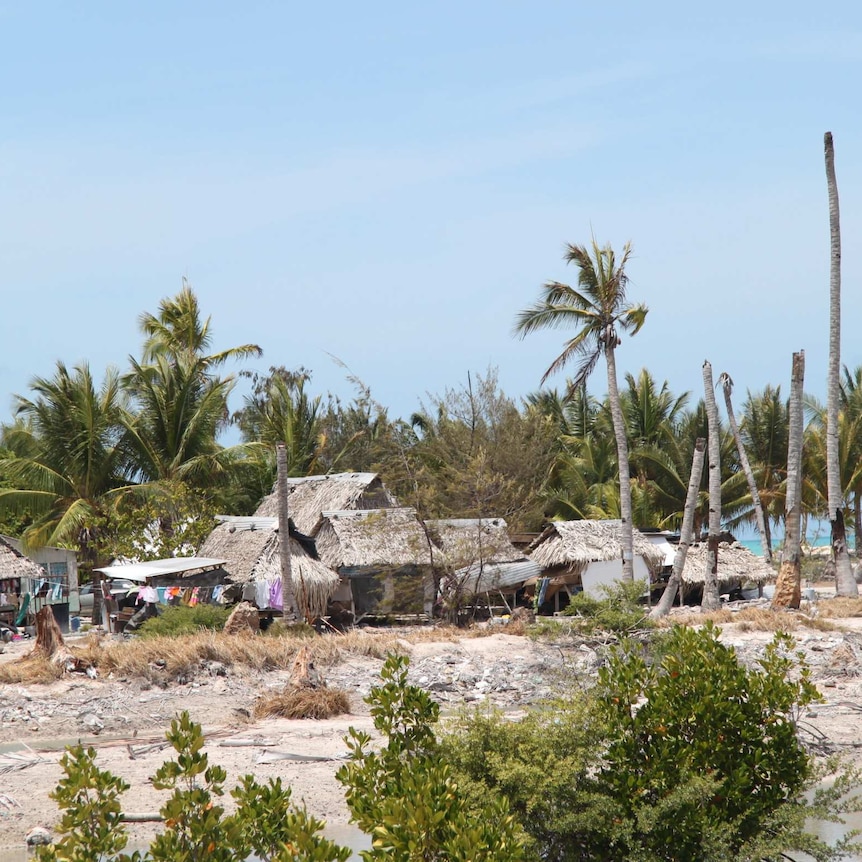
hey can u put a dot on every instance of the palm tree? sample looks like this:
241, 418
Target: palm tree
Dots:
845, 584
182, 403
765, 437
762, 524
788, 585
67, 464
711, 600
600, 312
685, 534
178, 333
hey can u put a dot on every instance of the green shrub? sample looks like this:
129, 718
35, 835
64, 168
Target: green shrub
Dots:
687, 755
405, 794
620, 611
185, 620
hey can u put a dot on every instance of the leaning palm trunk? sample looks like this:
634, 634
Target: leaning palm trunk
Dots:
288, 597
845, 584
762, 522
666, 601
711, 600
626, 528
788, 586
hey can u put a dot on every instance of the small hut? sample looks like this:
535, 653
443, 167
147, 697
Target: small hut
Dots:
385, 556
737, 565
21, 580
251, 548
310, 496
586, 555
479, 557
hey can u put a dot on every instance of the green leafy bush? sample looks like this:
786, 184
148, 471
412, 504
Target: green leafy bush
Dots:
620, 611
688, 755
185, 620
405, 794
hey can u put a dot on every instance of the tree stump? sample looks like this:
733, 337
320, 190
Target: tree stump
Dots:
244, 618
304, 674
788, 593
51, 645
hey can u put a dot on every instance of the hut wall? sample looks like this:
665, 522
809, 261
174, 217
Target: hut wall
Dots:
609, 572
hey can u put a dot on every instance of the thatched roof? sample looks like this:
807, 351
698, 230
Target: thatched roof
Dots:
310, 496
368, 538
252, 554
13, 564
735, 563
460, 542
576, 544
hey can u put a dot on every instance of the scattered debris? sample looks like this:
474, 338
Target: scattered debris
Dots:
244, 618
38, 836
13, 761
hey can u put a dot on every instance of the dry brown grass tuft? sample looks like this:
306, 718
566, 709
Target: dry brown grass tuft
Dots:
839, 607
304, 703
170, 657
29, 671
752, 620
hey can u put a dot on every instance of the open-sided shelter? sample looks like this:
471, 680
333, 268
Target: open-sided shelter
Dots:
737, 565
478, 556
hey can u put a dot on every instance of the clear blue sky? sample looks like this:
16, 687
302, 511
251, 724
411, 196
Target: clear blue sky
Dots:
391, 182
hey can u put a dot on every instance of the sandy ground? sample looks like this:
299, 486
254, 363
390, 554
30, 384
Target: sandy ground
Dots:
38, 721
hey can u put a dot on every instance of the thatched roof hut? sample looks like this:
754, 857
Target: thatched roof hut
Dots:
251, 548
310, 496
378, 538
574, 545
736, 564
13, 564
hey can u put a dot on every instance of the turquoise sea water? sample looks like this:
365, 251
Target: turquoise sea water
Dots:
753, 545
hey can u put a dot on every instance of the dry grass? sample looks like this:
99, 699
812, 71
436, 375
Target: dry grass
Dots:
166, 658
751, 619
30, 671
304, 703
839, 608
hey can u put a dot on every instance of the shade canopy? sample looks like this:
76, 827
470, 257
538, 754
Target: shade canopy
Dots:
171, 566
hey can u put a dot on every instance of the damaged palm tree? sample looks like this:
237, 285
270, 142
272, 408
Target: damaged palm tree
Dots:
788, 592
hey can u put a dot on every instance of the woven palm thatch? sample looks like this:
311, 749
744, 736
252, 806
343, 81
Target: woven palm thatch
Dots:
735, 563
576, 544
310, 496
13, 564
253, 555
383, 538
460, 542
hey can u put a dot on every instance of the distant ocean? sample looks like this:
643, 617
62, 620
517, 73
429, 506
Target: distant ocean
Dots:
753, 545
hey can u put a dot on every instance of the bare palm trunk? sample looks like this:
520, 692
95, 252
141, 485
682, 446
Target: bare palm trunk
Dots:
626, 530
711, 599
288, 596
666, 601
759, 514
788, 587
845, 584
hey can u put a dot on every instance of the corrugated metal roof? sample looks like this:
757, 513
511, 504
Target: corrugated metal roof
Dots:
251, 522
171, 566
498, 576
